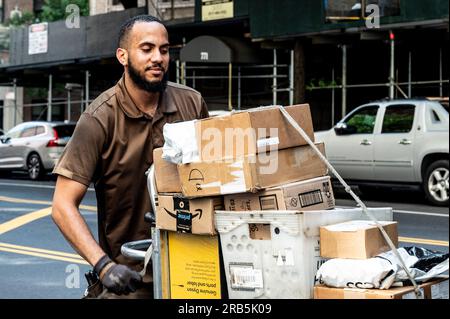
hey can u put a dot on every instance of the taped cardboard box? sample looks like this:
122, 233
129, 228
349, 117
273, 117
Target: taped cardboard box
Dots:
251, 132
356, 239
312, 194
251, 173
437, 289
166, 174
179, 214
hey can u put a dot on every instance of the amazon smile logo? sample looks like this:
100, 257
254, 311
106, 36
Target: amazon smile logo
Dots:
198, 213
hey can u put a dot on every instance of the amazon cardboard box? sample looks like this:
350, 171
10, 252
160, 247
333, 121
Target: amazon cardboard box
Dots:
437, 289
251, 173
357, 239
312, 194
196, 216
166, 174
251, 132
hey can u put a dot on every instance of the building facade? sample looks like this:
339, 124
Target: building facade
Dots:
332, 54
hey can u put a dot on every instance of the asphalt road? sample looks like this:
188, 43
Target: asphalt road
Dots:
37, 262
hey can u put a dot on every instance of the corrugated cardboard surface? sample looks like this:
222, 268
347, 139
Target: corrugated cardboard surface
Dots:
194, 266
323, 292
312, 194
200, 212
249, 132
166, 174
251, 173
365, 242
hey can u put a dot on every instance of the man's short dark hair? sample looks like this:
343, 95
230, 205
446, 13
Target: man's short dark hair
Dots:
128, 25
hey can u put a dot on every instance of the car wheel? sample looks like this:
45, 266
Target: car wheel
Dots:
34, 166
435, 183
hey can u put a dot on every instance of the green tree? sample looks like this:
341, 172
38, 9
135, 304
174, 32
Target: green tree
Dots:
54, 10
18, 20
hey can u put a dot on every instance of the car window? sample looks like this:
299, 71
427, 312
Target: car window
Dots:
363, 120
14, 132
64, 130
436, 118
40, 130
398, 119
28, 132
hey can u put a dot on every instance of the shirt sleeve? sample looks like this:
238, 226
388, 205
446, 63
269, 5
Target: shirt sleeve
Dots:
79, 159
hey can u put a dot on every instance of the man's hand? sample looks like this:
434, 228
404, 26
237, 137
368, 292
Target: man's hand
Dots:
121, 280
117, 278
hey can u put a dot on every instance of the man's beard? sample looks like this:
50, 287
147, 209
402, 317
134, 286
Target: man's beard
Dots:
142, 83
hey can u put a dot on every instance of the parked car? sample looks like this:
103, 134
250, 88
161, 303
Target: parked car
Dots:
34, 146
400, 142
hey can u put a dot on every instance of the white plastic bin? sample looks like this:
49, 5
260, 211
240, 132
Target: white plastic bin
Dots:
282, 266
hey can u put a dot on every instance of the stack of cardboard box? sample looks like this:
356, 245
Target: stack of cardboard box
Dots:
247, 161
253, 167
252, 160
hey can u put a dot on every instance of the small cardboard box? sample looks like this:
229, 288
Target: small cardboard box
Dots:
312, 194
356, 239
166, 174
251, 132
437, 289
251, 173
196, 216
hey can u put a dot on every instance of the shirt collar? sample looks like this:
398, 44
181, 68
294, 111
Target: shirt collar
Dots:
166, 103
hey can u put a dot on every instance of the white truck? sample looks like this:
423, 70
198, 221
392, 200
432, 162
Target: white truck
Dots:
396, 143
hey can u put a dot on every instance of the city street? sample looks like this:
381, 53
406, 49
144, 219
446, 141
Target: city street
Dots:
37, 262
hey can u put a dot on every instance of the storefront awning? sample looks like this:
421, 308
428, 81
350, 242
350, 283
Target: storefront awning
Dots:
208, 49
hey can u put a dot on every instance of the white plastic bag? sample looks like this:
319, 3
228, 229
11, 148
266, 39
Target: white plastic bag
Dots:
384, 270
357, 273
180, 145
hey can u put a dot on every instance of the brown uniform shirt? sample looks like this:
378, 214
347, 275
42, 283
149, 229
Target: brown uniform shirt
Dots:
112, 146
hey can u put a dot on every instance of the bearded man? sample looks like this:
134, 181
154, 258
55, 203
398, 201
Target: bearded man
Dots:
112, 147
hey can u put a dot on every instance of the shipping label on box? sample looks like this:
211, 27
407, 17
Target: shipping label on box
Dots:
244, 277
251, 173
356, 239
251, 132
313, 194
196, 216
194, 266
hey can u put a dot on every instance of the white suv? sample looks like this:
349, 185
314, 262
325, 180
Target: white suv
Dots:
403, 142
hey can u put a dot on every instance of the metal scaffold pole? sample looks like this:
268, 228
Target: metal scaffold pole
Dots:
50, 97
15, 101
344, 80
392, 69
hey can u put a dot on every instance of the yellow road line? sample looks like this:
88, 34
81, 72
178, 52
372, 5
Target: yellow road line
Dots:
36, 254
24, 201
25, 219
39, 250
423, 241
40, 202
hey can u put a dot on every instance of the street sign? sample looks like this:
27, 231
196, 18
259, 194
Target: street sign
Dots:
217, 9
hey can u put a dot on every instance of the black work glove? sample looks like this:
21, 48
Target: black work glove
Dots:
118, 278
